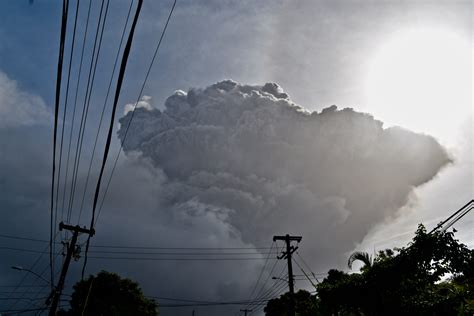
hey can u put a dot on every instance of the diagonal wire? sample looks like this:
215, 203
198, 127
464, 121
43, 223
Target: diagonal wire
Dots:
264, 294
90, 93
307, 266
260, 293
56, 114
64, 118
305, 274
261, 273
103, 108
85, 108
450, 217
273, 292
84, 40
26, 275
121, 75
41, 290
35, 263
454, 220
133, 111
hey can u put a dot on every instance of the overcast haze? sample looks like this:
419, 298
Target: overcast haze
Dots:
346, 122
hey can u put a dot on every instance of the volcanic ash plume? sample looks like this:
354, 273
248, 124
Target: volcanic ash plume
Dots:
264, 165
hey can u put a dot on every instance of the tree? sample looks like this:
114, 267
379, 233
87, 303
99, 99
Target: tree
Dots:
411, 282
109, 294
306, 305
341, 293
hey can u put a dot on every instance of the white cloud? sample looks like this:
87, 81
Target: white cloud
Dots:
145, 103
18, 107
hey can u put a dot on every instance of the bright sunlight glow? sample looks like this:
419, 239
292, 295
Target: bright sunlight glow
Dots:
422, 80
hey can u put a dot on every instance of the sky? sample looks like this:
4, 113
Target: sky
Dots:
236, 137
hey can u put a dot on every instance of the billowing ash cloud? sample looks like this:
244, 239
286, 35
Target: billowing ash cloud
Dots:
264, 165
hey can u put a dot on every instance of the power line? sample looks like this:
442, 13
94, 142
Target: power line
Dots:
118, 89
452, 216
36, 280
55, 132
273, 292
178, 253
112, 118
179, 248
85, 108
232, 302
281, 276
84, 40
25, 292
22, 249
35, 263
23, 238
22, 298
133, 111
76, 154
20, 311
28, 285
145, 253
305, 274
307, 266
275, 289
105, 102
176, 259
142, 247
457, 218
184, 299
47, 299
209, 304
270, 292
90, 95
262, 293
320, 273
261, 273
64, 116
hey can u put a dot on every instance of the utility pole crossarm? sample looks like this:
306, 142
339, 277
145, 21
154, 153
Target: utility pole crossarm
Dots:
291, 238
77, 227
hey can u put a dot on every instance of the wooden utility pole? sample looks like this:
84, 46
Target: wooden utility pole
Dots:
287, 254
71, 249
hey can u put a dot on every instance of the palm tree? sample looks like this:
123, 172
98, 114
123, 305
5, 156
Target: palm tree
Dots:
361, 256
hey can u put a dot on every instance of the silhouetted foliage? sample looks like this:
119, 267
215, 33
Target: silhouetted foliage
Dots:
408, 283
433, 275
306, 305
109, 294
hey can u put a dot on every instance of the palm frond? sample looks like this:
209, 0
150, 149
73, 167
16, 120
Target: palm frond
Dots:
364, 257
